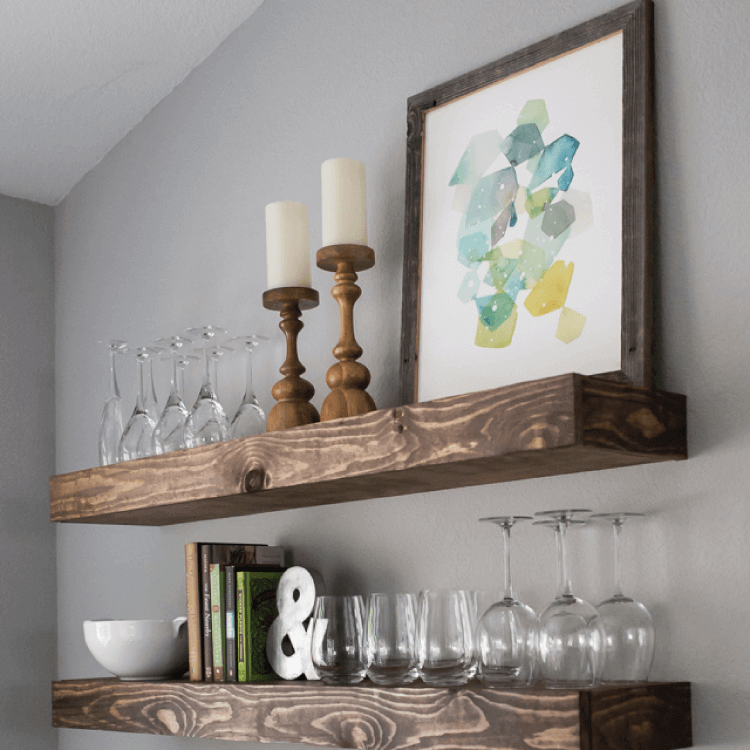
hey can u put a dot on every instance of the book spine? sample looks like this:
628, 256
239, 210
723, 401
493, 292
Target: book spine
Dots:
194, 618
208, 648
241, 626
230, 597
218, 615
261, 612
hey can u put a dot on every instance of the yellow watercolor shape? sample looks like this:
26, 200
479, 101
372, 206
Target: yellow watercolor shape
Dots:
570, 326
499, 338
550, 292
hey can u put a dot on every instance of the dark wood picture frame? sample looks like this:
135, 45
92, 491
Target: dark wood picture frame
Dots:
635, 21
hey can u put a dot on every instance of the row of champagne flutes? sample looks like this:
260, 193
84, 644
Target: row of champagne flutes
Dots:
447, 637
150, 431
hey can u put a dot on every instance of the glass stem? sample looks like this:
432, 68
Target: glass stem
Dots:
506, 550
139, 403
113, 389
150, 365
207, 389
248, 377
563, 578
617, 528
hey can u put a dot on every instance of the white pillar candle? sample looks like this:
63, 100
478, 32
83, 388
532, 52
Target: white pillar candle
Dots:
287, 244
344, 204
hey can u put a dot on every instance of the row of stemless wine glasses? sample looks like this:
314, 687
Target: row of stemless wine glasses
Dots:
149, 432
448, 637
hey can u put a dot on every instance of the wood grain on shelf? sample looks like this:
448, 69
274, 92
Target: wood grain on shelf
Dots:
655, 716
558, 425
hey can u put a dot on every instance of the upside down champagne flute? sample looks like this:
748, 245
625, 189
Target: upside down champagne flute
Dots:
137, 437
207, 421
628, 627
571, 637
110, 431
169, 433
250, 418
506, 634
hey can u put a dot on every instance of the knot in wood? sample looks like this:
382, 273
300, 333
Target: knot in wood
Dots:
255, 479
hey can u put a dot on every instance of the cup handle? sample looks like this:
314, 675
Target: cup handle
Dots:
178, 624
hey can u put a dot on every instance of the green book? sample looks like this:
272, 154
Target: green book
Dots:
218, 616
241, 610
261, 612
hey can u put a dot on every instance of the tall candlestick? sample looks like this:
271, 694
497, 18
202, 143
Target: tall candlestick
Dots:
287, 245
344, 202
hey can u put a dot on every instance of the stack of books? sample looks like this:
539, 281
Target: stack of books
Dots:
231, 603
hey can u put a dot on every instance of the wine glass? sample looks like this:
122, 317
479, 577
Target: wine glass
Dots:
169, 433
628, 627
207, 421
250, 418
110, 431
506, 635
571, 637
137, 437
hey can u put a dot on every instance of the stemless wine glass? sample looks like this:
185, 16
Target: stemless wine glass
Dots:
137, 437
250, 419
169, 433
207, 421
445, 649
110, 431
390, 635
571, 638
338, 639
506, 634
628, 627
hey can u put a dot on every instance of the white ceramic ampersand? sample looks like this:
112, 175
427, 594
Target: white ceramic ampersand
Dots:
290, 623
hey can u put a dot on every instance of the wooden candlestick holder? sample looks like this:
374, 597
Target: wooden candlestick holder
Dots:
348, 378
292, 393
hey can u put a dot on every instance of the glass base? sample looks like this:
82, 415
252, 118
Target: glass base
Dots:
334, 677
446, 676
398, 675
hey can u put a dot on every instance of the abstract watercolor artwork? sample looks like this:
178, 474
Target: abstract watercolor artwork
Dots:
490, 205
523, 258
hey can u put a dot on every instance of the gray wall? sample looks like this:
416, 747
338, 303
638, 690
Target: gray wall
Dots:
168, 232
27, 458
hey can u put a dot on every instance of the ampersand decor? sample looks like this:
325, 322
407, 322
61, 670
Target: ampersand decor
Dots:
295, 598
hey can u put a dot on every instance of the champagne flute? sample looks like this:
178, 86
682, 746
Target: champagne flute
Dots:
250, 418
110, 431
506, 635
137, 437
571, 637
628, 626
169, 433
207, 422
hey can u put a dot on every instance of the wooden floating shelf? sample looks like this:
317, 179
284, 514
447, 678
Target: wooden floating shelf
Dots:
653, 716
559, 425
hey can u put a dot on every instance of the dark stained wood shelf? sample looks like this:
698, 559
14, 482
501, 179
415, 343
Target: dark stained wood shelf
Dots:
559, 425
653, 716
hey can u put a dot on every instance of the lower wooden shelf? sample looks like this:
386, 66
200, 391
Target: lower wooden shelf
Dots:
653, 716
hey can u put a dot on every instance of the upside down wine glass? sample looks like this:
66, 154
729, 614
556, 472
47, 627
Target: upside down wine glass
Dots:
250, 418
506, 634
571, 637
110, 431
628, 627
137, 437
207, 421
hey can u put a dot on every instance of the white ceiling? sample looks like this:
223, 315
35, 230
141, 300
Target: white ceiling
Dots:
77, 75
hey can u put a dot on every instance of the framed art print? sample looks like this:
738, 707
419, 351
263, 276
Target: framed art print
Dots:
528, 216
